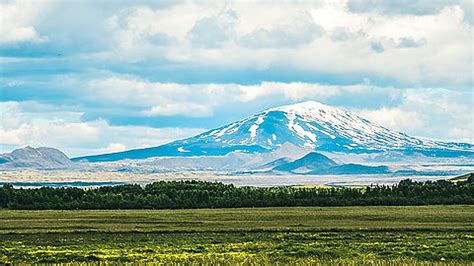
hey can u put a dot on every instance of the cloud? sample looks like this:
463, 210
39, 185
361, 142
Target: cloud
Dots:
236, 42
395, 118
58, 28
171, 109
65, 130
409, 42
214, 31
383, 44
341, 34
298, 31
17, 19
377, 47
412, 7
112, 147
432, 113
112, 96
146, 98
468, 10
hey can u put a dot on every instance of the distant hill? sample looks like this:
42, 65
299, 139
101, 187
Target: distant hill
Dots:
308, 124
469, 177
275, 163
315, 163
310, 162
42, 157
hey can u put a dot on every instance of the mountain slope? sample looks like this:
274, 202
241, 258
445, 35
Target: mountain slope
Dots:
30, 157
308, 124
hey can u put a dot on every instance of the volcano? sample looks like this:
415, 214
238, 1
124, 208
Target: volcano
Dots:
307, 124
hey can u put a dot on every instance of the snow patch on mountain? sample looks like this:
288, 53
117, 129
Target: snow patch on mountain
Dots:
254, 127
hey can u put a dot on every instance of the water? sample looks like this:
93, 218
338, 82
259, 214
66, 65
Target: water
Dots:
62, 184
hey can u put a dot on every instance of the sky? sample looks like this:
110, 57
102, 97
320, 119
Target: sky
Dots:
101, 76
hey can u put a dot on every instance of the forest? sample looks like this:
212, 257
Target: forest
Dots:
197, 194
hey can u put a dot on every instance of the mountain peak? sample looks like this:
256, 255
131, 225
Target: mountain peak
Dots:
304, 106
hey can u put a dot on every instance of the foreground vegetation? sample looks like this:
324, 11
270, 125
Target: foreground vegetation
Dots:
195, 194
405, 235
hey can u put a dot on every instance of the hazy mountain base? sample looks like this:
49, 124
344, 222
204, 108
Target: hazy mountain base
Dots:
241, 169
239, 161
37, 178
236, 163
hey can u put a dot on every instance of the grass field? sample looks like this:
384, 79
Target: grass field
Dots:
405, 235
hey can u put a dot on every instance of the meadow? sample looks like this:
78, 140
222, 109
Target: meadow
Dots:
306, 235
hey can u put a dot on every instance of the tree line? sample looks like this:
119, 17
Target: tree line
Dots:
198, 194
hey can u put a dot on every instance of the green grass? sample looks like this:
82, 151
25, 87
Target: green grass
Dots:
392, 235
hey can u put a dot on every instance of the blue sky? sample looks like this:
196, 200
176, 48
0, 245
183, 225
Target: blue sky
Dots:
100, 76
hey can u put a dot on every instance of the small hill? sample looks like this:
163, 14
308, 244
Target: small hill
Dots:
275, 163
316, 163
311, 161
42, 157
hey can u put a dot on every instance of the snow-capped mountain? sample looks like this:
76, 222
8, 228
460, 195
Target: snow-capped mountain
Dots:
308, 124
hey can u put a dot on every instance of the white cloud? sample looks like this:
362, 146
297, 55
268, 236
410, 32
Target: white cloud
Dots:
142, 97
468, 10
293, 33
409, 42
395, 118
188, 109
152, 99
17, 21
213, 31
76, 137
342, 34
413, 7
432, 113
112, 147
231, 36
